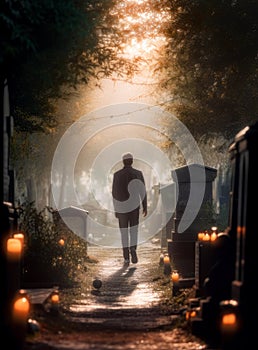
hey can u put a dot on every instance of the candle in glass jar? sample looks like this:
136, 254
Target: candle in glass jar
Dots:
21, 308
14, 248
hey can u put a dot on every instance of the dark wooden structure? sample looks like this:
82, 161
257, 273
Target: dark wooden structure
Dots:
181, 245
232, 291
9, 271
244, 228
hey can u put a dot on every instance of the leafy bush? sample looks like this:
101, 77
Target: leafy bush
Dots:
53, 254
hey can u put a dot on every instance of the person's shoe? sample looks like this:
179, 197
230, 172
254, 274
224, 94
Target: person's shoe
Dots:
134, 256
126, 262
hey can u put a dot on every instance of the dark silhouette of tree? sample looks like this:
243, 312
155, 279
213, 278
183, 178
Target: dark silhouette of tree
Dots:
211, 63
48, 47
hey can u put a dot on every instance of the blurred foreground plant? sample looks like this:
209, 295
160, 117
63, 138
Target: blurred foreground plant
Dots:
53, 253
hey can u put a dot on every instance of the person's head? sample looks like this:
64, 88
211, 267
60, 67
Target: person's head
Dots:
127, 159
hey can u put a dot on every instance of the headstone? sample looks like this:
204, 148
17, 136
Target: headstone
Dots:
77, 219
193, 191
192, 213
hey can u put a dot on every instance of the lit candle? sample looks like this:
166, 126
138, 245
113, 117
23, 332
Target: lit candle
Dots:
229, 322
21, 308
200, 236
166, 259
206, 237
55, 298
61, 241
167, 267
14, 249
213, 236
175, 276
19, 236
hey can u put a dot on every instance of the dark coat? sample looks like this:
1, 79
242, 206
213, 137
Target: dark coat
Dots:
128, 195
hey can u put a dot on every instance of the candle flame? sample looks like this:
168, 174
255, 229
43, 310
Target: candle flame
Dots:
55, 298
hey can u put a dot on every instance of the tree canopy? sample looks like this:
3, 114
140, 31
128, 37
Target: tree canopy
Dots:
211, 64
47, 45
209, 67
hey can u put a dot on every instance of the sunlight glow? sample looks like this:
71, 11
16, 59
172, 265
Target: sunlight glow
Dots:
142, 28
138, 48
140, 25
139, 2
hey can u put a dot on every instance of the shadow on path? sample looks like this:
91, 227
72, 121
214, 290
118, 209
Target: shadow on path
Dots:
117, 286
127, 298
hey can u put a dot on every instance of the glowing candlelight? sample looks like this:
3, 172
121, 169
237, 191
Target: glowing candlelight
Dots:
175, 276
206, 237
14, 248
53, 302
200, 236
190, 314
166, 259
229, 322
55, 297
61, 241
21, 307
213, 236
167, 267
229, 319
19, 236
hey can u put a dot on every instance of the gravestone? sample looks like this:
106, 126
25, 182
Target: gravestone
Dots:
197, 180
77, 219
193, 190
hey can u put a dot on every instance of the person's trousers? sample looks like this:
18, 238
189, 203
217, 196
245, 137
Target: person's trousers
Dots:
128, 224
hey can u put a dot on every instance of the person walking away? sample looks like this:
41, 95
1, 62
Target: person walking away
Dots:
129, 195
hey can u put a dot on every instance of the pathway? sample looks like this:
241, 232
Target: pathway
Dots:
126, 294
124, 313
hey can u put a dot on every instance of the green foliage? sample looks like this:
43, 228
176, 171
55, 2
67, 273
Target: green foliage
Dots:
211, 64
46, 261
50, 47
172, 301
